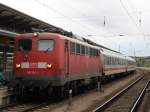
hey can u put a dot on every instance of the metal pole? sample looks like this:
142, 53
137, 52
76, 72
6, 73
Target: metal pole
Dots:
70, 96
99, 84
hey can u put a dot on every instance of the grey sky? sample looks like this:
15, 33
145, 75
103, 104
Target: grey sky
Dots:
86, 17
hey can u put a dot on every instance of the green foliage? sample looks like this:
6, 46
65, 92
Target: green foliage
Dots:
143, 61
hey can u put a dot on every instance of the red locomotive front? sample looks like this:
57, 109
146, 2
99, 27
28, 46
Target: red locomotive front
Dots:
36, 60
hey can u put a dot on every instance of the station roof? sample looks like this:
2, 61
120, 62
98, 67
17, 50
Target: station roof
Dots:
18, 22
13, 22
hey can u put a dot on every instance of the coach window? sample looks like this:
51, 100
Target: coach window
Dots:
104, 59
107, 60
113, 61
72, 47
110, 60
24, 45
45, 45
82, 50
78, 48
116, 61
120, 61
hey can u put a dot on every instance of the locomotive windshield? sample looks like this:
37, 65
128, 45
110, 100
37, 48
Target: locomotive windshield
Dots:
45, 45
24, 45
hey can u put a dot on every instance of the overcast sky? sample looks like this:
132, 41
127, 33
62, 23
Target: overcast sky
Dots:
122, 31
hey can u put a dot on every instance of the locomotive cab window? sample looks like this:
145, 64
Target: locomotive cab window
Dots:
24, 45
45, 45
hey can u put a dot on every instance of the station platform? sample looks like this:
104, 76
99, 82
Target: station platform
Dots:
5, 95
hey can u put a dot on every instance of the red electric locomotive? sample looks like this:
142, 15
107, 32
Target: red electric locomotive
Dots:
54, 62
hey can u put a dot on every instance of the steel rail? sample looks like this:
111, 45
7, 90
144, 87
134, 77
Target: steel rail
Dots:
7, 106
25, 109
139, 99
35, 107
105, 104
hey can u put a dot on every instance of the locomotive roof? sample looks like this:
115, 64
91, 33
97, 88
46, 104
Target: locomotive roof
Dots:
87, 42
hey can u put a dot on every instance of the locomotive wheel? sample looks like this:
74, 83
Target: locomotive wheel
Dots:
58, 92
75, 88
49, 90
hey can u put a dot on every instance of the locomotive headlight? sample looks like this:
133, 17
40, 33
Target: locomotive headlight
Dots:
35, 34
18, 65
49, 66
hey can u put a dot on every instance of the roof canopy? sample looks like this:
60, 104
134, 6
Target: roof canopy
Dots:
15, 21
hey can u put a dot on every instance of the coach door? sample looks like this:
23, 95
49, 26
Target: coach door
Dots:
67, 57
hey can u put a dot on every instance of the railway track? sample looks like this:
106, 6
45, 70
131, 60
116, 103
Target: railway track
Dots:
22, 107
128, 99
25, 107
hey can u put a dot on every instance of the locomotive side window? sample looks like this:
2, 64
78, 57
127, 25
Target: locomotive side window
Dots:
90, 51
93, 52
97, 52
24, 45
45, 45
87, 50
82, 50
72, 47
78, 48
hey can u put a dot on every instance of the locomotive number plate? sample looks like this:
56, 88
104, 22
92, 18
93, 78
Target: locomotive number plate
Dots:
33, 65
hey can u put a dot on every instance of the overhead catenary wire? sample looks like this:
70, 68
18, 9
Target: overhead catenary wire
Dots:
63, 15
138, 17
133, 21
